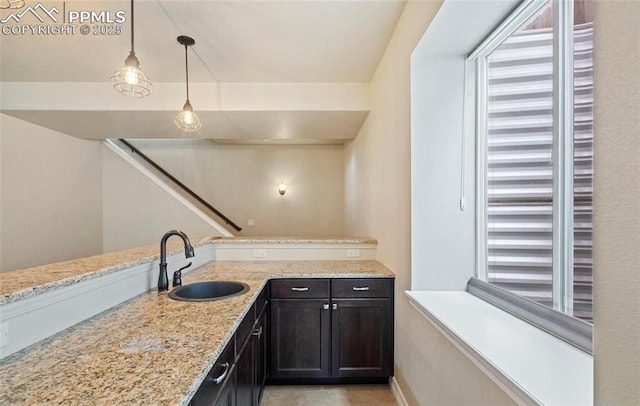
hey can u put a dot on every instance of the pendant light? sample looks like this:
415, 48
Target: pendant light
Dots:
187, 120
130, 80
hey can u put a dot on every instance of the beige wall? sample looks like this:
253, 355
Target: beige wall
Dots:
617, 203
136, 211
51, 202
429, 369
242, 182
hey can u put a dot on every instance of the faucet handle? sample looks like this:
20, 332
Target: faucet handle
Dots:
177, 275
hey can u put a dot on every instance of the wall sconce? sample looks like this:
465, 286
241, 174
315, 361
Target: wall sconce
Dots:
282, 189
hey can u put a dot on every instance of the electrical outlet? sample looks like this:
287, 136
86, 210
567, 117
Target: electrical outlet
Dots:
353, 253
260, 253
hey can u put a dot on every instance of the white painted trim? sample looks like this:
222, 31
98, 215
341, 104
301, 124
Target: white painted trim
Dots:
165, 186
64, 307
397, 392
293, 252
480, 120
562, 155
525, 10
518, 396
531, 366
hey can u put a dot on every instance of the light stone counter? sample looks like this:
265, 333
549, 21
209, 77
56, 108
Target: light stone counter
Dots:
24, 283
150, 349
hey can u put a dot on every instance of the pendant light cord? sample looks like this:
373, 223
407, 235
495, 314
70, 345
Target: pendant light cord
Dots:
132, 30
186, 69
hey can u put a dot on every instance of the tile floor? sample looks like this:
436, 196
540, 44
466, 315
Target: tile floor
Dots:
329, 395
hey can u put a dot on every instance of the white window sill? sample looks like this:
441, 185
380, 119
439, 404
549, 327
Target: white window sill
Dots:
532, 366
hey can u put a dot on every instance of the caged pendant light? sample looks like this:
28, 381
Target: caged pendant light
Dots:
187, 120
130, 80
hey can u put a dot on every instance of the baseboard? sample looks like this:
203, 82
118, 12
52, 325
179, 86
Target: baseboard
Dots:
328, 381
397, 392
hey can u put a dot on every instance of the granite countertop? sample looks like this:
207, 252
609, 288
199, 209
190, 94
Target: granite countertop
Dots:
22, 283
151, 349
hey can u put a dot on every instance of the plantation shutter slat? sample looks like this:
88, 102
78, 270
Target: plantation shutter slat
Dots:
583, 172
520, 174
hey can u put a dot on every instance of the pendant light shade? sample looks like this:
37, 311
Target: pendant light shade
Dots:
187, 120
130, 80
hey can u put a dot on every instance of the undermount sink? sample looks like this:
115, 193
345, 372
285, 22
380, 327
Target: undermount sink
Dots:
208, 291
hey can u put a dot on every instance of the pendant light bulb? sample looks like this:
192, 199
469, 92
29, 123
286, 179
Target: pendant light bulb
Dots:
131, 77
187, 120
188, 117
130, 80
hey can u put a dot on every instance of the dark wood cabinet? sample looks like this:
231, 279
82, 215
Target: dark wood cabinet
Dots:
245, 374
362, 327
361, 340
305, 330
238, 377
300, 338
219, 380
261, 351
251, 358
227, 395
342, 332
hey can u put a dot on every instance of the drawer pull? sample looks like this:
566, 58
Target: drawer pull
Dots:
299, 289
222, 376
360, 289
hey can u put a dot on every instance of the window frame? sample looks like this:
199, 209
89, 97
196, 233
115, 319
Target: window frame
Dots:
476, 84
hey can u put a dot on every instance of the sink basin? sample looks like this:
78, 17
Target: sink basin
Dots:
208, 291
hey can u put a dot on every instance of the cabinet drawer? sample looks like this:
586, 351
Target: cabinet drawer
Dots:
261, 301
216, 378
300, 288
366, 287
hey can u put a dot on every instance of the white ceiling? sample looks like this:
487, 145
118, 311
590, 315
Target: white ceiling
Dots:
236, 41
252, 41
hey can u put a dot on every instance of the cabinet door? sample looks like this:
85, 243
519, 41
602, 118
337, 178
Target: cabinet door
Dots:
245, 374
216, 379
260, 364
362, 338
300, 338
227, 396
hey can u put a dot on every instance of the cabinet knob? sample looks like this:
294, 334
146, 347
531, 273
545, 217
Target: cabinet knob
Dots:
299, 289
334, 306
325, 306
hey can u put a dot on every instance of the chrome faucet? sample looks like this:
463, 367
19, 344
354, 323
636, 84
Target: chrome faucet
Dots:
163, 281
